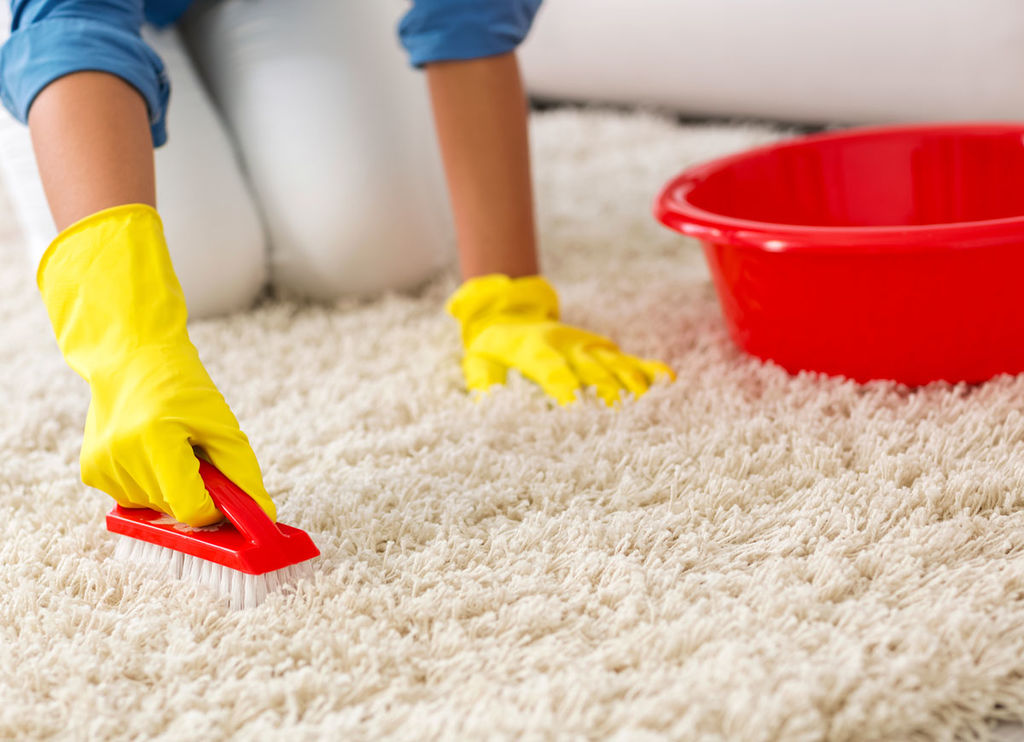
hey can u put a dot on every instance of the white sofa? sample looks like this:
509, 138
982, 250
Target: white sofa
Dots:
811, 61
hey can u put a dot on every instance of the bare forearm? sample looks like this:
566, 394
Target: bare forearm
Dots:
90, 132
480, 113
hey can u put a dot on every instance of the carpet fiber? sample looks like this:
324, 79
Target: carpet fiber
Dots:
741, 555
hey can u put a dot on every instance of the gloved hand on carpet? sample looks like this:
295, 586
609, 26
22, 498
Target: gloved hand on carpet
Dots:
513, 323
119, 315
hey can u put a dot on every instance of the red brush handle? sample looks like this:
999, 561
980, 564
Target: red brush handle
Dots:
238, 507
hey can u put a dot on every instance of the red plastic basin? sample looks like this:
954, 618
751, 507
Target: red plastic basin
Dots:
874, 253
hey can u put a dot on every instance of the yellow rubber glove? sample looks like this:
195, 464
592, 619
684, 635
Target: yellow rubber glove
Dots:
513, 323
119, 315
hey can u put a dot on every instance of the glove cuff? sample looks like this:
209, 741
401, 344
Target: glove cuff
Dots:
109, 287
486, 300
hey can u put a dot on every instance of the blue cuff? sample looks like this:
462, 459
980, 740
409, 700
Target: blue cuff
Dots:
164, 12
447, 30
39, 53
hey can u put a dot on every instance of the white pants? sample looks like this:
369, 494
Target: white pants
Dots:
825, 61
307, 159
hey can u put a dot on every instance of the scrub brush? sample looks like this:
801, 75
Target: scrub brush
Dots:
244, 558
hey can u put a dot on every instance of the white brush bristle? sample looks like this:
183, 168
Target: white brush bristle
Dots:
241, 589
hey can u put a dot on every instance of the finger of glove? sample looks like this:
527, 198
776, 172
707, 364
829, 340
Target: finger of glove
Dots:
640, 370
533, 356
229, 451
655, 369
593, 371
482, 373
549, 369
627, 369
104, 472
119, 467
176, 470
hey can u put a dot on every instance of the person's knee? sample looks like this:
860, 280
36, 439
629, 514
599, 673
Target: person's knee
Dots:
214, 234
362, 244
353, 197
344, 165
219, 257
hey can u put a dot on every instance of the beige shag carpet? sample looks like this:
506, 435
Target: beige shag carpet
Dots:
742, 555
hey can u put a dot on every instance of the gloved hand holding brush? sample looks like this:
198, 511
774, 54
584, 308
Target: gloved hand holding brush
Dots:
119, 316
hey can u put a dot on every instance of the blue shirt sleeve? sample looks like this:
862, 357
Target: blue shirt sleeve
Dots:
446, 30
